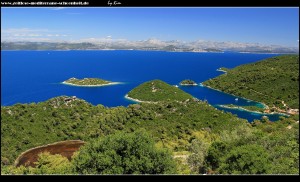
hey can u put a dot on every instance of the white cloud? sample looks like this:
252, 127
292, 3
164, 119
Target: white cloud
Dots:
56, 9
27, 34
101, 40
57, 35
30, 39
22, 30
34, 35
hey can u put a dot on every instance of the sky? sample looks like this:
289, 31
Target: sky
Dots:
268, 26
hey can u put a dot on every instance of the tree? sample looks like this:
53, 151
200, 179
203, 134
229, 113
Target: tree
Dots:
214, 154
123, 153
246, 159
52, 164
197, 158
46, 164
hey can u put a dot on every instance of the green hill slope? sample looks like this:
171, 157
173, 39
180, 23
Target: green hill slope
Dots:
201, 138
273, 81
157, 90
24, 126
193, 130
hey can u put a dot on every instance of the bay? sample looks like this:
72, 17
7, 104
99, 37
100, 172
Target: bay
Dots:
36, 76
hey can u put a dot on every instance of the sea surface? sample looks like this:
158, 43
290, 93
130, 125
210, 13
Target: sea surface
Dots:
36, 76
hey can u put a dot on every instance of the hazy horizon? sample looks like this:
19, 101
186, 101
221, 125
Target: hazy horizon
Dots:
265, 26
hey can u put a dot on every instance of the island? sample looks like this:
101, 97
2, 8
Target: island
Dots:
157, 90
88, 82
188, 82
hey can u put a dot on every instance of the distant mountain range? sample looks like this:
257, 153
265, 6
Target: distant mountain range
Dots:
150, 44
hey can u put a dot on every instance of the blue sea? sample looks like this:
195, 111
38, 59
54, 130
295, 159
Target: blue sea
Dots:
36, 76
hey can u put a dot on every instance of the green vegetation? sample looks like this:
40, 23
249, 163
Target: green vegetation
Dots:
46, 164
157, 90
198, 151
274, 81
201, 138
173, 124
87, 82
264, 148
246, 159
52, 164
188, 82
124, 153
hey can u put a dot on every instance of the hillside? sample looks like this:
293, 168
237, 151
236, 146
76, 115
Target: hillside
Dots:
273, 81
157, 90
69, 118
200, 138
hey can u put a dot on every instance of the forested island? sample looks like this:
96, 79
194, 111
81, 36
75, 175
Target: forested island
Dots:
88, 82
157, 90
273, 81
188, 82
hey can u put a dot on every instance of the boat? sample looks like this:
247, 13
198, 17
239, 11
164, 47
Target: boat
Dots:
236, 99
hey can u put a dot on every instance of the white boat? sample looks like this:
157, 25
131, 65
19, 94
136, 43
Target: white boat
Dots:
176, 86
236, 99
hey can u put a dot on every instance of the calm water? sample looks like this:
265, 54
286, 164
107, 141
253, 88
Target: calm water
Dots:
35, 76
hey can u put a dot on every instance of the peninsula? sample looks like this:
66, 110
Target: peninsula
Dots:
273, 81
223, 69
188, 83
253, 109
88, 82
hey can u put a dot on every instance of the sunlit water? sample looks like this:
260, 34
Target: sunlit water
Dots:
35, 76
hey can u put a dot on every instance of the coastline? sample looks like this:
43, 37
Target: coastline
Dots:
221, 70
195, 84
243, 109
137, 100
264, 53
145, 50
265, 105
107, 84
